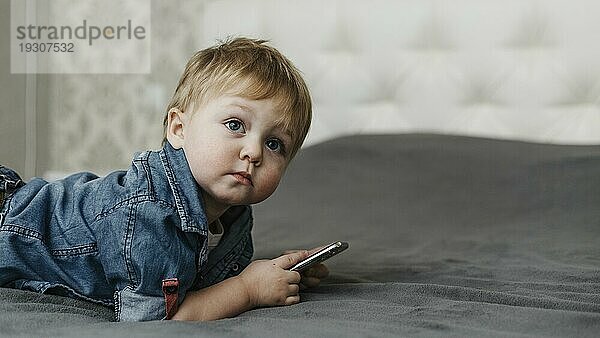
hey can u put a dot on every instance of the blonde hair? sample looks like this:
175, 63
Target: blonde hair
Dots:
257, 71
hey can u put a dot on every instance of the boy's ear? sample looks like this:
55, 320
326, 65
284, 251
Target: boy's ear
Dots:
175, 128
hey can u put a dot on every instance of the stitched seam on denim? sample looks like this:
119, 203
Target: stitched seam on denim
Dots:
118, 301
128, 247
21, 231
76, 251
166, 204
162, 203
117, 304
125, 202
8, 180
145, 164
176, 193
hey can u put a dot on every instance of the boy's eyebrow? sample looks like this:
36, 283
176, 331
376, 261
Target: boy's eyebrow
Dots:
287, 134
286, 131
241, 105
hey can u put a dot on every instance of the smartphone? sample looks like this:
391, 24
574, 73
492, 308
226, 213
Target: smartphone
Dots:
321, 255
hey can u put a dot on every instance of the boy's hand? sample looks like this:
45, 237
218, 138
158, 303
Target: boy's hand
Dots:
269, 283
311, 277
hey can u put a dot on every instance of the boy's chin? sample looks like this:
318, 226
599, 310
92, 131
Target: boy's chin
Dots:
232, 200
241, 200
236, 196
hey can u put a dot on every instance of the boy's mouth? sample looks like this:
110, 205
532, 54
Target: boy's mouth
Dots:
243, 177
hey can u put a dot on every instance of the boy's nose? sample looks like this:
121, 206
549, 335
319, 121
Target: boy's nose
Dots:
252, 151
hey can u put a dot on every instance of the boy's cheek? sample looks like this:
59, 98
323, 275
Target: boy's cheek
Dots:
273, 180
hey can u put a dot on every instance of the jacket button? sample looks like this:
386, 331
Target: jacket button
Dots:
171, 289
235, 267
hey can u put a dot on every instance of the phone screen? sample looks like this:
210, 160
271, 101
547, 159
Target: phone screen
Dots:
321, 255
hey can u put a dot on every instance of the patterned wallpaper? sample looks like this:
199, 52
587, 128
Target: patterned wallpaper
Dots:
98, 121
516, 69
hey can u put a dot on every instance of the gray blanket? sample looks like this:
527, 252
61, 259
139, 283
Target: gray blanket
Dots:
449, 236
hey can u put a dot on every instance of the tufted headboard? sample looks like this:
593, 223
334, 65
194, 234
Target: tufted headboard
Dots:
507, 69
517, 69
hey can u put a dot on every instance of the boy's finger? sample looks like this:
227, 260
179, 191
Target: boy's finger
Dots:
294, 289
292, 300
294, 277
287, 261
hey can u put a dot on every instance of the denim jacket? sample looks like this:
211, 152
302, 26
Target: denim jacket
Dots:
134, 240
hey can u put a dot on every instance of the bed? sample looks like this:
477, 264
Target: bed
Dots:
449, 236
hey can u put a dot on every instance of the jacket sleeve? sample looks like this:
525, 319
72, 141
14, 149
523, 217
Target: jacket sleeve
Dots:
133, 306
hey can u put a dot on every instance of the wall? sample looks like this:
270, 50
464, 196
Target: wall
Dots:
12, 99
513, 69
24, 127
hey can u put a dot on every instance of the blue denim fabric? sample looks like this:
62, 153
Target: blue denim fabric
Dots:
113, 240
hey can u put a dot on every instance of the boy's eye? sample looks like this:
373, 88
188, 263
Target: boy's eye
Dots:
275, 145
235, 126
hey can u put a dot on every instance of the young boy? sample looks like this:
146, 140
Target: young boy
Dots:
170, 237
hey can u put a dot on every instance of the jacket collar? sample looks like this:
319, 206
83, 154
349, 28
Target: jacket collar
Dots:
186, 192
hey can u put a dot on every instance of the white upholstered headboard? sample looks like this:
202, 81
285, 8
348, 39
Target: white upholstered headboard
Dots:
508, 69
517, 69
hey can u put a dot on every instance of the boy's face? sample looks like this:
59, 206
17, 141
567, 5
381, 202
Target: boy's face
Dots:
235, 151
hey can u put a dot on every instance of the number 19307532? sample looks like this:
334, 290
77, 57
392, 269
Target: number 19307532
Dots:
47, 47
